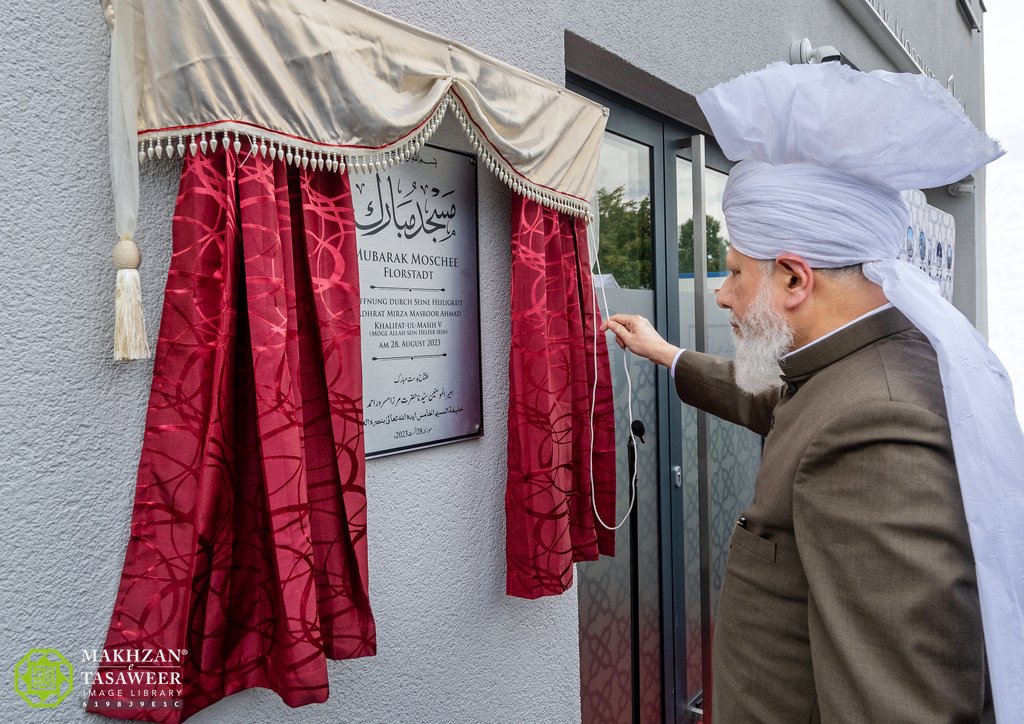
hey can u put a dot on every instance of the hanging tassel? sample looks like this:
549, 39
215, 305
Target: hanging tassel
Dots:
129, 322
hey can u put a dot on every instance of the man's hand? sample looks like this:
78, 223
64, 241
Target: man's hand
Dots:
635, 333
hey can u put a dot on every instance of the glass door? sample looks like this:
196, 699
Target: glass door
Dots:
646, 615
620, 604
718, 484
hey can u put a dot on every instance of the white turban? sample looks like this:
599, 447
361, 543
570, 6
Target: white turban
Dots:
825, 215
823, 152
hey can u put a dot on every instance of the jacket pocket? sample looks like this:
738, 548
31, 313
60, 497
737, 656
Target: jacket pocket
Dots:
753, 543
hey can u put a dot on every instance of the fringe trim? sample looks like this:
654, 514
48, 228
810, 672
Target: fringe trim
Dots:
512, 178
156, 145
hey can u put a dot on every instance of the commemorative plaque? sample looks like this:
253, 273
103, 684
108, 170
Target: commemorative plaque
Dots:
416, 228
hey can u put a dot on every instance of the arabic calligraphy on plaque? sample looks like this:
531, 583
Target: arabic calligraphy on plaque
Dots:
420, 210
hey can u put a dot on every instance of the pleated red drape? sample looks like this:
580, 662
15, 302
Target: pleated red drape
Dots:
248, 546
550, 523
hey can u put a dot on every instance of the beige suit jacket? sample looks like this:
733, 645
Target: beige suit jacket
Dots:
850, 592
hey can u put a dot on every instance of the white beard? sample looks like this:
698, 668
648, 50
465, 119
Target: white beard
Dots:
765, 337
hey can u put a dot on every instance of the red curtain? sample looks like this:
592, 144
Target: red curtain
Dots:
550, 523
248, 537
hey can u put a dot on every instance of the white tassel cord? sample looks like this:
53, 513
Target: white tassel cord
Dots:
130, 341
304, 154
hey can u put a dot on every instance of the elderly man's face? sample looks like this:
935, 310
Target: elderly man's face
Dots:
762, 334
741, 286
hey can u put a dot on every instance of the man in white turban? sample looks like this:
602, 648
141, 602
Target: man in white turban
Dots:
880, 563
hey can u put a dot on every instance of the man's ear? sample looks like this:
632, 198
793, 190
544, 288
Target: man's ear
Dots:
796, 279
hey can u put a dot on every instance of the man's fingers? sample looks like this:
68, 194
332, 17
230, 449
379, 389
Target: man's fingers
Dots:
624, 320
620, 330
635, 333
616, 326
626, 328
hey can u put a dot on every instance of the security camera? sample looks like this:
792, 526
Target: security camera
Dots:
826, 54
963, 187
801, 52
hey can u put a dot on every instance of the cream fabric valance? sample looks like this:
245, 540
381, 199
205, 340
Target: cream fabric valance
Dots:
336, 80
327, 83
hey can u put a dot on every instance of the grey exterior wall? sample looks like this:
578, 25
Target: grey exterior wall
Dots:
452, 646
694, 44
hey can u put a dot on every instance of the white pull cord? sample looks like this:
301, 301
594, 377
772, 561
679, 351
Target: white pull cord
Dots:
593, 403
